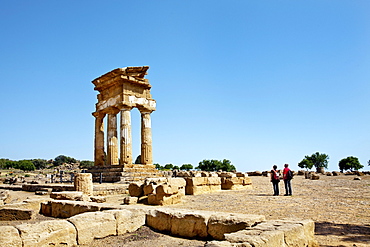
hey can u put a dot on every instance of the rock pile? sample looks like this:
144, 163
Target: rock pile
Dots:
158, 191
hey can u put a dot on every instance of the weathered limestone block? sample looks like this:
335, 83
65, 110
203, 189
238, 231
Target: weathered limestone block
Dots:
165, 189
315, 176
67, 195
66, 209
5, 196
159, 219
241, 174
16, 214
48, 233
183, 223
221, 223
201, 185
204, 174
9, 237
93, 225
128, 220
164, 199
183, 174
129, 200
276, 233
176, 182
300, 172
301, 231
258, 238
226, 174
149, 189
33, 204
255, 173
44, 191
98, 199
136, 189
336, 173
83, 182
236, 183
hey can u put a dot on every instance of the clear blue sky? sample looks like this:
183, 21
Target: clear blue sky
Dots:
256, 82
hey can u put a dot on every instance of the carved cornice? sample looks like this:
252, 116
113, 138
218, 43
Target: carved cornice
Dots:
134, 75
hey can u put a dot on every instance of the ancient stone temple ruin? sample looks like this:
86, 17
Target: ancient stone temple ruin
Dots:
120, 91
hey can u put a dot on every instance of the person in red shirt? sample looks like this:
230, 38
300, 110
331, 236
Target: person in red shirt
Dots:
287, 178
275, 179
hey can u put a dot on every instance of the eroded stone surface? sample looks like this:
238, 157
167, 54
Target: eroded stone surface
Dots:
93, 225
128, 220
9, 236
48, 233
16, 214
221, 223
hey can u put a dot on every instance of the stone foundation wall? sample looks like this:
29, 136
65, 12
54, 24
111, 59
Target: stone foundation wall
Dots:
226, 229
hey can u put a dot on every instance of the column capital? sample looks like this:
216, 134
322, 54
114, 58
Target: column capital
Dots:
125, 108
98, 114
112, 110
145, 110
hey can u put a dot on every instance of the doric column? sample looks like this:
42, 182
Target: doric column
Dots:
125, 132
99, 139
146, 138
112, 139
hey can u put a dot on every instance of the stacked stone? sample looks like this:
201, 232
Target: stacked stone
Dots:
201, 185
206, 182
236, 181
159, 191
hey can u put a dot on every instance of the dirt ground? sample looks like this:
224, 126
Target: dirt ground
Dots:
340, 207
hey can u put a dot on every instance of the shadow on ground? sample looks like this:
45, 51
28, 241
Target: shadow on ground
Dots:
348, 233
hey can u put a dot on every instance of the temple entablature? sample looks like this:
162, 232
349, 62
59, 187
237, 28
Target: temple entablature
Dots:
120, 91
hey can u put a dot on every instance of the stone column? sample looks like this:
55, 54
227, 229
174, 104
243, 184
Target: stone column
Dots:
146, 138
99, 139
126, 141
112, 140
83, 182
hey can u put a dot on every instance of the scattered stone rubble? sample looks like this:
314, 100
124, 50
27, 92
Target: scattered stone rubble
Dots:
166, 191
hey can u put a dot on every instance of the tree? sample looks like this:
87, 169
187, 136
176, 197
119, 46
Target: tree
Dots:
186, 167
318, 160
350, 163
176, 168
11, 164
61, 159
85, 164
168, 167
305, 164
215, 165
226, 166
40, 163
3, 162
26, 165
158, 166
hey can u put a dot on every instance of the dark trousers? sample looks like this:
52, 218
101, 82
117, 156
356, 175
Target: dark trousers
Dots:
288, 187
275, 185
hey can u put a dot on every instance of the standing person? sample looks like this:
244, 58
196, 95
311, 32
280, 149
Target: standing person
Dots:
275, 180
287, 176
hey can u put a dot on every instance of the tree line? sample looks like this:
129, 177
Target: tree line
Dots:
321, 160
204, 165
38, 164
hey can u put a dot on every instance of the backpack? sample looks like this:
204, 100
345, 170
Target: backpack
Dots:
290, 174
